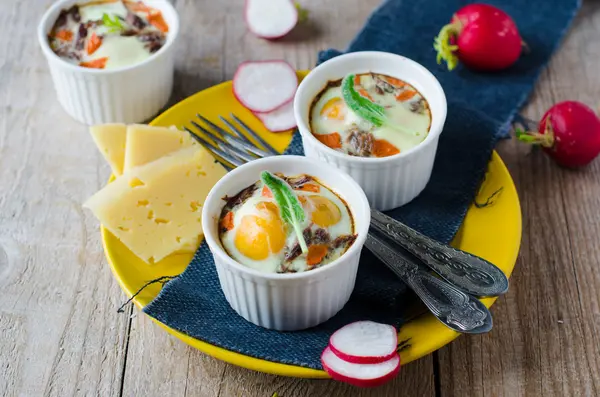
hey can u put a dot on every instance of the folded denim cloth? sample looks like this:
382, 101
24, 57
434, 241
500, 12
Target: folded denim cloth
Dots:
481, 107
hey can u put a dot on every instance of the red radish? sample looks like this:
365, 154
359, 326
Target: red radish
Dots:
569, 132
263, 86
365, 342
271, 19
361, 375
280, 119
481, 36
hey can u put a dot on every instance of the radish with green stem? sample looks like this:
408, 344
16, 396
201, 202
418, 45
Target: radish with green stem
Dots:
569, 132
481, 36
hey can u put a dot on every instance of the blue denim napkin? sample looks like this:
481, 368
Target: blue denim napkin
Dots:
481, 107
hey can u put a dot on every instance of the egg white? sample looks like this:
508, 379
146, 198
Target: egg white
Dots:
399, 112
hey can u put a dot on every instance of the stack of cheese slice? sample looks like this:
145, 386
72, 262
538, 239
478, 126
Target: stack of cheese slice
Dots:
162, 177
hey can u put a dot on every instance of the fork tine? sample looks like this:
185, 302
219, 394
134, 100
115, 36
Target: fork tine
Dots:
254, 134
224, 146
213, 125
242, 145
212, 134
210, 147
235, 130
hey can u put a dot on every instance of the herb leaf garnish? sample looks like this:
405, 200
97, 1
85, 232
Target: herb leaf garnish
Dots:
289, 206
366, 109
113, 25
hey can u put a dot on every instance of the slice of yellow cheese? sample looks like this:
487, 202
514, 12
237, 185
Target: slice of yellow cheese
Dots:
155, 209
147, 143
110, 140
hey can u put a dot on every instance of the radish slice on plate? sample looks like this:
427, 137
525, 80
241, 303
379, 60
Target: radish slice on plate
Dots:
365, 342
361, 375
280, 119
264, 86
271, 19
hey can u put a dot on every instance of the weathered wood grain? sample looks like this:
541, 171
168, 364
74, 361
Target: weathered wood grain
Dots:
60, 334
545, 337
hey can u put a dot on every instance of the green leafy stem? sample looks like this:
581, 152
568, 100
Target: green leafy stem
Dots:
365, 108
290, 207
113, 25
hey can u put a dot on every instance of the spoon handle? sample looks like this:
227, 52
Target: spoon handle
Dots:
454, 308
470, 273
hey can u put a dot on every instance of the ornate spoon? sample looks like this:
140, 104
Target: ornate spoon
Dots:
454, 308
472, 274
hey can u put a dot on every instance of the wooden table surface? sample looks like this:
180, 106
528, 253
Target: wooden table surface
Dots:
60, 334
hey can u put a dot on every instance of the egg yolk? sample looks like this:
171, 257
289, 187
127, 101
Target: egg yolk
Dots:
258, 236
333, 109
324, 212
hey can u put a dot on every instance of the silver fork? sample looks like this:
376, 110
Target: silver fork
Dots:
404, 250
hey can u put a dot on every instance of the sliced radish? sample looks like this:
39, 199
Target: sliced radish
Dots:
365, 342
271, 19
362, 375
264, 86
280, 119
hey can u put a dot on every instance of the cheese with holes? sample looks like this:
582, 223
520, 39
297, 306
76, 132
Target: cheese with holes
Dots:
155, 209
110, 140
147, 143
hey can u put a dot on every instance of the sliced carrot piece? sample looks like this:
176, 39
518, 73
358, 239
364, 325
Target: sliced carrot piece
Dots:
310, 187
64, 35
364, 93
357, 79
266, 192
227, 221
99, 63
316, 254
94, 42
333, 109
395, 82
405, 95
333, 140
382, 148
156, 19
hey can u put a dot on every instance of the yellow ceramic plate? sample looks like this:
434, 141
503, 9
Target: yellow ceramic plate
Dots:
493, 232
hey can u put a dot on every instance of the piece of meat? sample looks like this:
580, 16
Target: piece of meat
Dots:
60, 21
135, 21
382, 84
240, 197
417, 106
360, 142
344, 241
321, 236
82, 33
295, 251
74, 12
298, 181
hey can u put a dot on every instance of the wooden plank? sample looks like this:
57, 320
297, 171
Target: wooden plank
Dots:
59, 333
158, 364
545, 337
416, 379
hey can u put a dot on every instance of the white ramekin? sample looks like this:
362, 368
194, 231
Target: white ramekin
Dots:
388, 182
294, 301
130, 94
